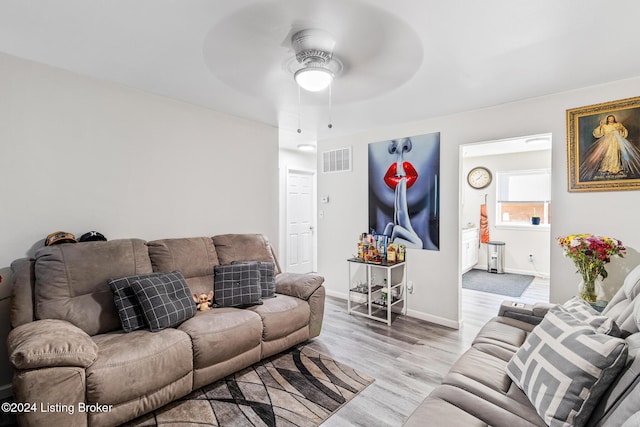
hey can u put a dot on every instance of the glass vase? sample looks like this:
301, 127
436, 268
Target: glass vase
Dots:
589, 288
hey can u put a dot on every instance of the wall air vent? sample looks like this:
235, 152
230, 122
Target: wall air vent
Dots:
338, 160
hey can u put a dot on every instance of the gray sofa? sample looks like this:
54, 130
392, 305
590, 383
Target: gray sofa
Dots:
478, 390
68, 349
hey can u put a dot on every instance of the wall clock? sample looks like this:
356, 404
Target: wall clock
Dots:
479, 177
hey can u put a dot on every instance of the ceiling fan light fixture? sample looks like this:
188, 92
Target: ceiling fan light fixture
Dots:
313, 78
306, 147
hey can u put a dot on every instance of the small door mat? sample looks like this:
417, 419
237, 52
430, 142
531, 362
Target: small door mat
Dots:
300, 387
508, 284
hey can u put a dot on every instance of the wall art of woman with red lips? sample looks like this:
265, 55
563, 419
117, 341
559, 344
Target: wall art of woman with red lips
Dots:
404, 199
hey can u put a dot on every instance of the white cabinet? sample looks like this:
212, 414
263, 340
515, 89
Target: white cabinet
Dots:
469, 248
377, 290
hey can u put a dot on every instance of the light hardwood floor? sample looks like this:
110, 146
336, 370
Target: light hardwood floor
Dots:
407, 359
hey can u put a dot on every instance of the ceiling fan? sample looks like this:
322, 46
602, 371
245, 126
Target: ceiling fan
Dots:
268, 48
314, 53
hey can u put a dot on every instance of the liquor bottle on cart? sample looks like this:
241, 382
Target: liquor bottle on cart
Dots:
401, 253
391, 254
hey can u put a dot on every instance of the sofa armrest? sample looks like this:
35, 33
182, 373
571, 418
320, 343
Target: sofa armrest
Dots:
50, 343
64, 386
540, 308
24, 279
298, 285
530, 313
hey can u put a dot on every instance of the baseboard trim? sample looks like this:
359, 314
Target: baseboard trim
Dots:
5, 391
527, 272
516, 271
435, 319
412, 313
336, 294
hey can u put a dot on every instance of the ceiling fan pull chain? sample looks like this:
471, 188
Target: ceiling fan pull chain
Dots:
330, 105
299, 129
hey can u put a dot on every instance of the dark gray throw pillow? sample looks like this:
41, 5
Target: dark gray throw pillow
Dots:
129, 310
267, 277
165, 299
236, 285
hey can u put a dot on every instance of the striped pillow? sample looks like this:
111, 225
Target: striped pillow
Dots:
565, 366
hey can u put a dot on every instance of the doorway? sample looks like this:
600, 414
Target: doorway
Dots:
527, 243
300, 223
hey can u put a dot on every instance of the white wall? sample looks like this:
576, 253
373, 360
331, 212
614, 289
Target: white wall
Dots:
437, 294
79, 154
519, 242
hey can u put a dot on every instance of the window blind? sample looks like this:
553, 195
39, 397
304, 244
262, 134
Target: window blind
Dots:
524, 186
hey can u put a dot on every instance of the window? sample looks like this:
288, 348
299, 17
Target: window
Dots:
521, 195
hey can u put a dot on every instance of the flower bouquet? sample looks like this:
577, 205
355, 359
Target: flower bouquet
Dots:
590, 254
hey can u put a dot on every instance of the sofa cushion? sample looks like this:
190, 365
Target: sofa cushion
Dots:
622, 398
504, 332
439, 412
165, 300
475, 405
194, 257
124, 297
282, 316
565, 366
620, 308
482, 367
244, 247
71, 281
220, 334
237, 285
134, 365
267, 279
631, 285
499, 351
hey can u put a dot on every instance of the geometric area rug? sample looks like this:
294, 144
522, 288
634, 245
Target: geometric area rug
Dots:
300, 387
508, 284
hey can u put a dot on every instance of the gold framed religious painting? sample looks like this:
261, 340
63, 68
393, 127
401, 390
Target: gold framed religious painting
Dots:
603, 146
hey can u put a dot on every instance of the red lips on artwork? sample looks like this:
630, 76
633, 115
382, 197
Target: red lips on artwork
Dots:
392, 179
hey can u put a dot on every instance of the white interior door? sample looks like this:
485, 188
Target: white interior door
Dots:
300, 221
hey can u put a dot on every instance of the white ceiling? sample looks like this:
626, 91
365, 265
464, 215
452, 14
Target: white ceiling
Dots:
404, 60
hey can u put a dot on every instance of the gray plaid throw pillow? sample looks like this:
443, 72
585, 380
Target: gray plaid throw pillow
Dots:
165, 299
129, 310
267, 277
236, 285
